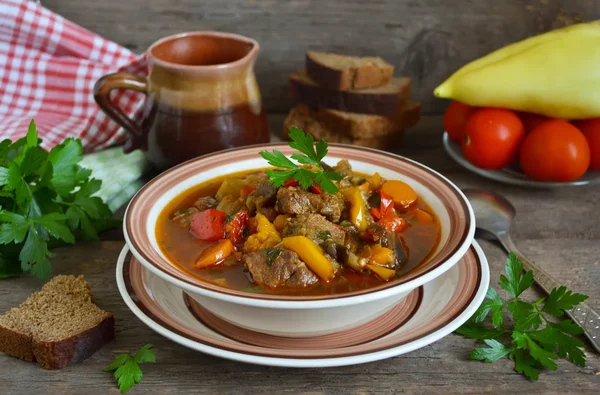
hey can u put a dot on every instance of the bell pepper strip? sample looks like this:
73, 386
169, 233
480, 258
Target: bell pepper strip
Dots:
315, 189
215, 253
311, 254
375, 212
266, 235
208, 225
364, 187
291, 183
358, 208
393, 223
386, 203
382, 272
234, 229
401, 193
381, 256
247, 190
375, 181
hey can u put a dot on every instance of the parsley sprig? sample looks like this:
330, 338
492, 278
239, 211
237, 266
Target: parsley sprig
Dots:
46, 199
311, 155
536, 338
127, 367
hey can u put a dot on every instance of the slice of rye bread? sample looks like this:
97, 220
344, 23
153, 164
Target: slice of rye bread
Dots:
341, 73
57, 325
383, 100
360, 126
308, 120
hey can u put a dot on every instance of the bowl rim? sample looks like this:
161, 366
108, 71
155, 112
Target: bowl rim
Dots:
325, 301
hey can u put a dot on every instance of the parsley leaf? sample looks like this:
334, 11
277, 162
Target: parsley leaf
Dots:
535, 342
310, 156
560, 300
46, 200
494, 352
127, 367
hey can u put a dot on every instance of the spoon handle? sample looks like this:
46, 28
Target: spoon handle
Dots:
582, 314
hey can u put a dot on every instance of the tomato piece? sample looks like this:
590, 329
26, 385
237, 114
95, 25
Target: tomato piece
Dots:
291, 183
531, 120
392, 222
234, 230
208, 225
386, 203
247, 190
555, 151
591, 130
455, 118
492, 138
315, 189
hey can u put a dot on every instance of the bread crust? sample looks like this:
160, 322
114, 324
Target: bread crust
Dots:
369, 74
377, 101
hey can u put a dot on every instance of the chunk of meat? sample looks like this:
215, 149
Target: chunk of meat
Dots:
315, 227
278, 268
296, 201
264, 195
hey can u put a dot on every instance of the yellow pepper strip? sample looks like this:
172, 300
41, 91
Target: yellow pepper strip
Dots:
382, 256
311, 254
375, 181
382, 272
358, 208
266, 235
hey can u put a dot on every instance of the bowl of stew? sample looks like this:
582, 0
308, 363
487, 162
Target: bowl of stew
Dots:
294, 261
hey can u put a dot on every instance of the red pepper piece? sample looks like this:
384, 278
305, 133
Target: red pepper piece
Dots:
375, 212
315, 189
291, 183
235, 228
386, 203
208, 225
392, 222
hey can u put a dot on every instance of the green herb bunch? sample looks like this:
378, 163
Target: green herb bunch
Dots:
311, 155
46, 199
536, 337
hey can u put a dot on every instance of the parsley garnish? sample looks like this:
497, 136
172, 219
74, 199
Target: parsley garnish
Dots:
312, 155
46, 199
272, 255
535, 341
127, 367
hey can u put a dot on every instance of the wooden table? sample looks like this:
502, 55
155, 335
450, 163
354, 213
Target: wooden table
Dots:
559, 229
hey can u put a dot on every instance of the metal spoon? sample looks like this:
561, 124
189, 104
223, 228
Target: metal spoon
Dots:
494, 215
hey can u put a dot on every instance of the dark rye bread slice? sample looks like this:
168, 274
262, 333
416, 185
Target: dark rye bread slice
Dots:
341, 73
383, 100
312, 122
57, 325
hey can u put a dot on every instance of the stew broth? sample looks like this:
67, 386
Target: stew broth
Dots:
182, 249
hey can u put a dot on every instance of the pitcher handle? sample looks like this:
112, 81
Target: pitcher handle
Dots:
102, 91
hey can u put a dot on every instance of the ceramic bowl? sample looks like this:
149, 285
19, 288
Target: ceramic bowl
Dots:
298, 316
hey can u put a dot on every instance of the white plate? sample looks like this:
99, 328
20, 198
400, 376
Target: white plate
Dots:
511, 176
438, 297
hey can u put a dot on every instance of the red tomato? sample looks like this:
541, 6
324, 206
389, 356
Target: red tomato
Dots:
531, 120
555, 151
492, 138
208, 225
591, 130
455, 117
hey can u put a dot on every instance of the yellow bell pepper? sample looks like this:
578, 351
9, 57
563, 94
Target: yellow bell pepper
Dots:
266, 235
381, 256
311, 254
555, 74
358, 207
382, 272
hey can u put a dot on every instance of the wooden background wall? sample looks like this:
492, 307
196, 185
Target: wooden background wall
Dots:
425, 39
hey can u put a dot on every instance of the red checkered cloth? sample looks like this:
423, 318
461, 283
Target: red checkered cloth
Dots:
48, 69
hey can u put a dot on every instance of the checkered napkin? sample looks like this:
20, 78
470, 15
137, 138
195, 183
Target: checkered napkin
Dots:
48, 67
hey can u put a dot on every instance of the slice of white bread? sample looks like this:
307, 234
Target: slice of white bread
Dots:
340, 72
383, 100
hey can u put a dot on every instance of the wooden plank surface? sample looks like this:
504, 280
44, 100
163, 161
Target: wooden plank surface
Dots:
426, 39
557, 229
